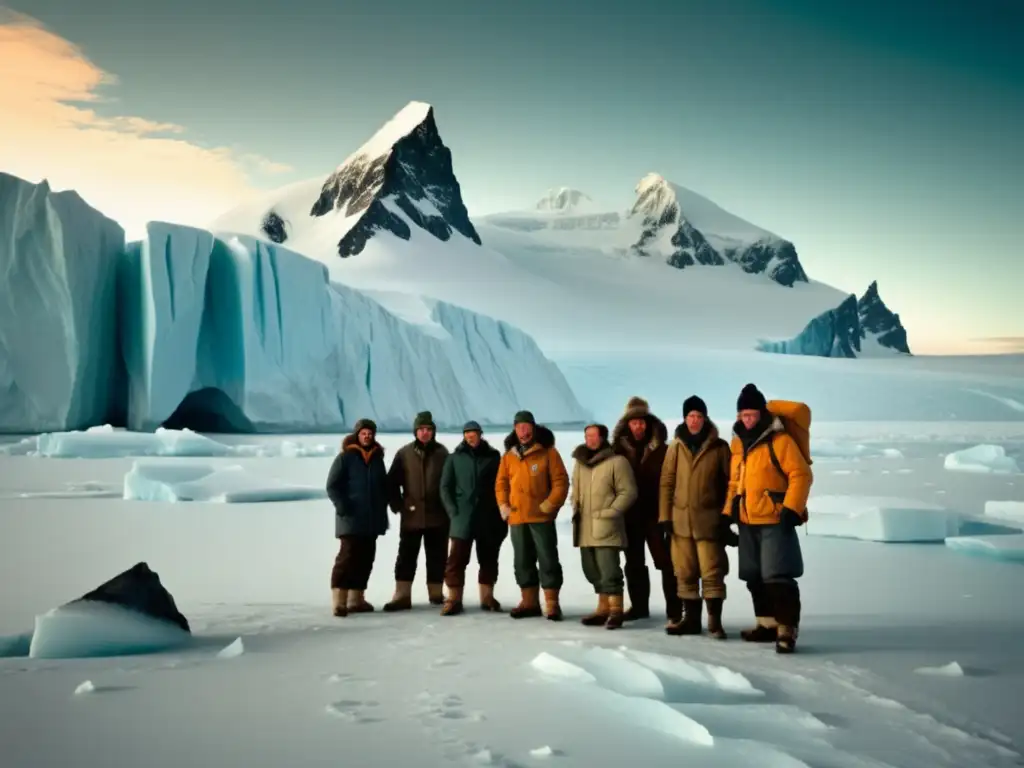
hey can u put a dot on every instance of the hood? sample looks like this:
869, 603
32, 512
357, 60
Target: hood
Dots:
583, 455
656, 430
543, 436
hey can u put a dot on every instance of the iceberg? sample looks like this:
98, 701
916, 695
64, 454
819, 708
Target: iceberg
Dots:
883, 519
982, 459
59, 260
233, 334
1009, 547
201, 481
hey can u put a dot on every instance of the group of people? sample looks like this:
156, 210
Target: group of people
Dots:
633, 490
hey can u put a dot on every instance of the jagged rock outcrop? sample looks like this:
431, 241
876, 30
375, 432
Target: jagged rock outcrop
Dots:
876, 318
843, 331
138, 589
686, 229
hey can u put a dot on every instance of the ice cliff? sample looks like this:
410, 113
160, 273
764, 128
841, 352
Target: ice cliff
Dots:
58, 309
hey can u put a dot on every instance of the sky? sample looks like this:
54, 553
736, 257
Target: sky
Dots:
885, 139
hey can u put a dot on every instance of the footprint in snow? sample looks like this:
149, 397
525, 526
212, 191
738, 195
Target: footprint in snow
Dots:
354, 711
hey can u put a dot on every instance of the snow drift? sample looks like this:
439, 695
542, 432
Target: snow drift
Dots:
58, 312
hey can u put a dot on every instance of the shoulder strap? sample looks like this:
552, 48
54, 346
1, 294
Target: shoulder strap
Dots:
775, 459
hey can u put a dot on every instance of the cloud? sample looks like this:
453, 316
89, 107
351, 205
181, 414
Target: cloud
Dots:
130, 168
1004, 345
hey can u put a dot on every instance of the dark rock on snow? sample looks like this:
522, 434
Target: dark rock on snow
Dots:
138, 589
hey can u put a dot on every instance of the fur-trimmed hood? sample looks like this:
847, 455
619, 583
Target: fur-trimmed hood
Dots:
351, 443
542, 436
712, 433
750, 439
657, 432
584, 455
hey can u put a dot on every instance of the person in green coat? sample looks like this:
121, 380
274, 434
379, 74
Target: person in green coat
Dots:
467, 493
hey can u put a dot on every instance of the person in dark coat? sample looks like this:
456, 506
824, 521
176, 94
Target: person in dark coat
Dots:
414, 483
467, 492
357, 486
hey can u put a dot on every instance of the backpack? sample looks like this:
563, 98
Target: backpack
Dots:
796, 421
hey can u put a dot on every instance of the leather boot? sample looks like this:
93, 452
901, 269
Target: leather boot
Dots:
529, 604
357, 602
765, 630
553, 611
786, 640
615, 613
638, 585
599, 616
673, 604
487, 601
786, 599
402, 600
715, 628
690, 623
435, 593
453, 605
339, 602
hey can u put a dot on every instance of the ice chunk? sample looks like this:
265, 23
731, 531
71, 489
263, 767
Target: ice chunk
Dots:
86, 687
58, 310
879, 518
91, 629
695, 675
233, 650
284, 348
982, 458
542, 753
559, 668
106, 442
200, 481
1005, 547
832, 449
953, 669
1009, 511
15, 645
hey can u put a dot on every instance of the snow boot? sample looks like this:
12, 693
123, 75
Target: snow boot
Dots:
615, 613
690, 623
639, 587
599, 616
673, 603
786, 640
339, 602
357, 602
715, 628
764, 631
553, 611
487, 601
529, 604
402, 600
453, 605
435, 594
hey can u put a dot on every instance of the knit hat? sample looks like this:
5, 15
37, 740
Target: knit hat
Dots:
694, 403
751, 399
424, 419
602, 430
524, 417
471, 426
636, 408
364, 424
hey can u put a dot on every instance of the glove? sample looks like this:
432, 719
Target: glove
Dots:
729, 537
506, 512
791, 518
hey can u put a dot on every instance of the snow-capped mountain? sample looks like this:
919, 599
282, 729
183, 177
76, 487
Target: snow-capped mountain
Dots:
856, 328
401, 178
563, 200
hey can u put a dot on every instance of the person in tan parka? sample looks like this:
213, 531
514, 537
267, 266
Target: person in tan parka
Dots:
694, 482
531, 487
603, 489
769, 484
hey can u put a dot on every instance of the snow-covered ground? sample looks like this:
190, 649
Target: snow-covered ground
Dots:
910, 654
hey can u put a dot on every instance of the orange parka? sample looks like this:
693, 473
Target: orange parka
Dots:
535, 484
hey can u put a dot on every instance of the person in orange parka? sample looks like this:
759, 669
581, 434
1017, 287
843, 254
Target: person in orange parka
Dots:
770, 481
531, 487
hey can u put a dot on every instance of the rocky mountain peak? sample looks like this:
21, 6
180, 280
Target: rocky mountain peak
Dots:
876, 318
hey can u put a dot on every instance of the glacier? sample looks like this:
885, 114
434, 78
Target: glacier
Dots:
228, 333
59, 364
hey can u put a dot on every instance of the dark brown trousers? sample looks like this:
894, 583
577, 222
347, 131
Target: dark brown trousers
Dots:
487, 549
354, 562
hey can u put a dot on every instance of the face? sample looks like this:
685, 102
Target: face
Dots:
695, 422
592, 438
524, 432
424, 434
638, 427
750, 418
366, 437
472, 438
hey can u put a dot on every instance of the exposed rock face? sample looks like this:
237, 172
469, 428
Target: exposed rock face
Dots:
669, 231
878, 319
414, 175
138, 589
